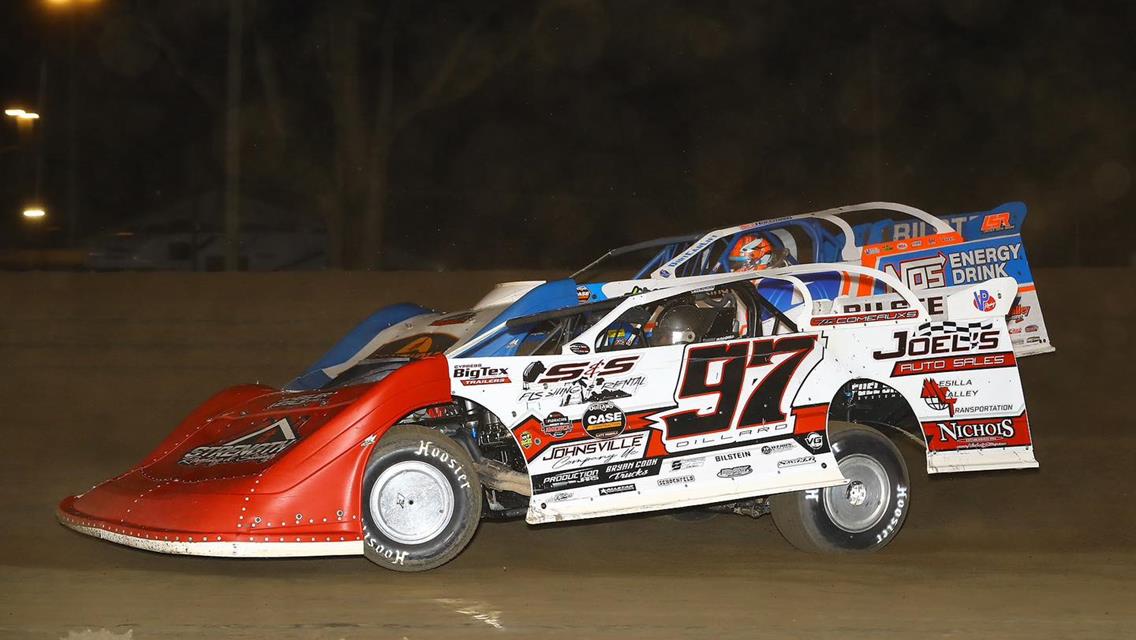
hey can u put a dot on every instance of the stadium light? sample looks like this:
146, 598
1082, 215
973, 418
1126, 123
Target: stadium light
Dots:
34, 213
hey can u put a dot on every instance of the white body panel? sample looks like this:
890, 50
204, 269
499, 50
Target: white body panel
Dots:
640, 429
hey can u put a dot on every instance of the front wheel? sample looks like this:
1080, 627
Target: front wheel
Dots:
421, 500
863, 515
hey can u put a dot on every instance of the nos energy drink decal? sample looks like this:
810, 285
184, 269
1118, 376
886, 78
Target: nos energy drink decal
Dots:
961, 264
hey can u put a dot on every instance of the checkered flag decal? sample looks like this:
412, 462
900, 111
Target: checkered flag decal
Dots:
972, 329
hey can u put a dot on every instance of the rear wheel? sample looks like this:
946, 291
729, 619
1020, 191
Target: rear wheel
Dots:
421, 500
863, 515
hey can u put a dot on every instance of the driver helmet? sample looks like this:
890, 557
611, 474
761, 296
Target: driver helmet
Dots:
751, 253
681, 324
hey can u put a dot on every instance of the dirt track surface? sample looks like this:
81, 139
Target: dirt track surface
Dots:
97, 368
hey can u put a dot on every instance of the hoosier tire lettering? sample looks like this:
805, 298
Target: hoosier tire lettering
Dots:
421, 503
861, 516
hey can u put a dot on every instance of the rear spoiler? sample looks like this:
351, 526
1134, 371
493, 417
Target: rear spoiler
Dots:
984, 245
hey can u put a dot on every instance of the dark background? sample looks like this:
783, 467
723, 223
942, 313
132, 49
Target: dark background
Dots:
538, 134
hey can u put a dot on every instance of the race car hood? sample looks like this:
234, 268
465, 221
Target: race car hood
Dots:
254, 453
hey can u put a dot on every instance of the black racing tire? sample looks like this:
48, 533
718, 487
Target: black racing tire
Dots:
413, 464
860, 517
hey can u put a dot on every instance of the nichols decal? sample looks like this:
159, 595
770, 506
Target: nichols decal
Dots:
979, 433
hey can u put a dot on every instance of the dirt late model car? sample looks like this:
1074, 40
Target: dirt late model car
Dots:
701, 393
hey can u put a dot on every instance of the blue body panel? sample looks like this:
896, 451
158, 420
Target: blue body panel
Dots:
355, 340
558, 294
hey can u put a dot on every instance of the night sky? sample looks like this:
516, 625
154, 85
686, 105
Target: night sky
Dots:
538, 134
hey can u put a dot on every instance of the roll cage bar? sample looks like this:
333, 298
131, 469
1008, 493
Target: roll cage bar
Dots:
662, 256
679, 251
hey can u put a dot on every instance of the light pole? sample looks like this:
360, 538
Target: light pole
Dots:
72, 7
25, 121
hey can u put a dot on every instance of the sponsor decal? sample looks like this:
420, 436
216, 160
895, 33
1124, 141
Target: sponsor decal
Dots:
983, 301
592, 452
992, 222
569, 371
631, 469
476, 374
956, 363
936, 338
579, 348
304, 400
979, 433
776, 448
573, 478
979, 265
583, 294
619, 488
261, 445
814, 440
937, 398
604, 420
1018, 313
735, 455
598, 467
666, 482
556, 425
882, 316
871, 390
575, 383
921, 273
687, 463
636, 290
984, 408
526, 439
935, 304
796, 462
735, 472
562, 496
739, 436
456, 318
1031, 328
665, 273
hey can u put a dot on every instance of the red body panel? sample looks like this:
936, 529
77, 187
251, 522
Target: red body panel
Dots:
255, 465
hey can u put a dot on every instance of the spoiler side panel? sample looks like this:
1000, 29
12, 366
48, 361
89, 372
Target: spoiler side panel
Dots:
990, 247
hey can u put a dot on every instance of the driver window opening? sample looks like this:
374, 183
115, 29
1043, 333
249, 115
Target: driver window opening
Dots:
723, 313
